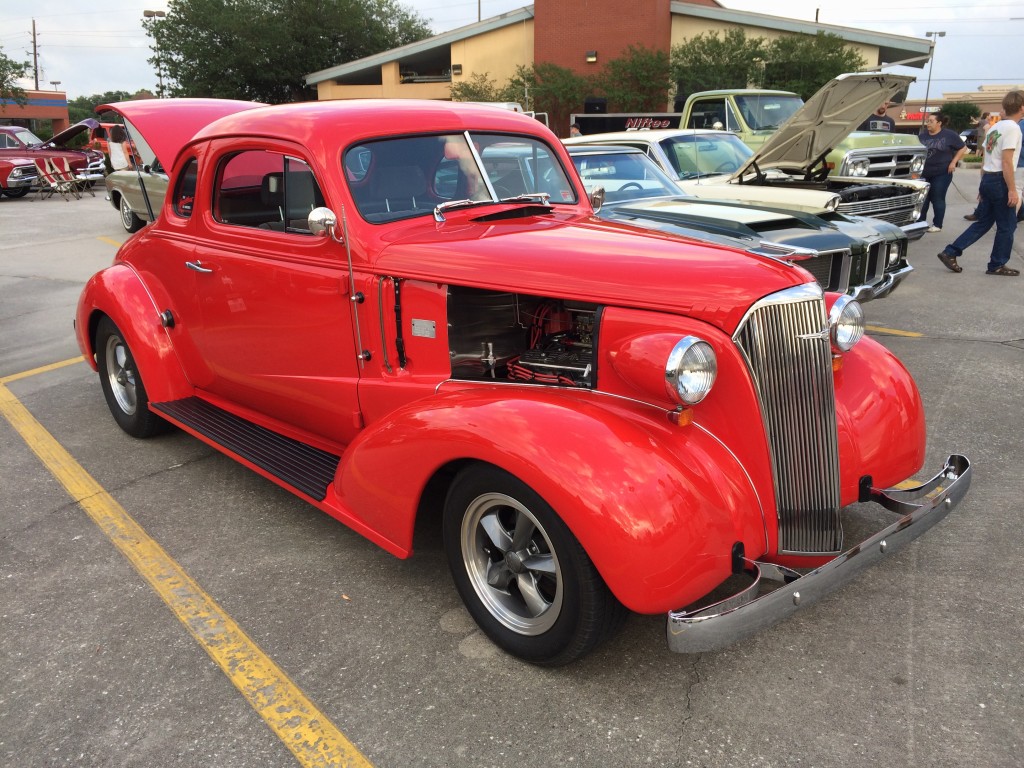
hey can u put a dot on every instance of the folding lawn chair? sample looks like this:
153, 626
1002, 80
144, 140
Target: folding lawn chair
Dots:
52, 181
64, 169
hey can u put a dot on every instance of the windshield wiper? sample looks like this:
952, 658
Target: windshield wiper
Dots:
530, 197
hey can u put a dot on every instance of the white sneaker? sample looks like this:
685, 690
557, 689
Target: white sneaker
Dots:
934, 229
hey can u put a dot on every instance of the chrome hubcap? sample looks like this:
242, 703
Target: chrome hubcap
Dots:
121, 375
511, 564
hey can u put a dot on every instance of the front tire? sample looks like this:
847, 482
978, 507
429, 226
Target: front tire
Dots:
19, 192
122, 385
525, 579
129, 220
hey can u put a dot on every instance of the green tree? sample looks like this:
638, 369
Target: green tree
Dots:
549, 88
962, 114
804, 63
478, 87
261, 50
639, 81
709, 62
85, 106
10, 72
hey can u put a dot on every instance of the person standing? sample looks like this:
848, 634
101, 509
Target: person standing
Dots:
998, 193
945, 148
879, 121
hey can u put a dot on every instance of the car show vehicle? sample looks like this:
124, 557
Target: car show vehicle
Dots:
84, 164
790, 169
866, 258
368, 304
17, 176
125, 193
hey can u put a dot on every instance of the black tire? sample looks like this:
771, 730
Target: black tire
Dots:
122, 385
129, 220
19, 192
525, 579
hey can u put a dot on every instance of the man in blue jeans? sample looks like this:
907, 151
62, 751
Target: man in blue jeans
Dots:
998, 193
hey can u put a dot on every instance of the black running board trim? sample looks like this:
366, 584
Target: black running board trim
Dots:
296, 464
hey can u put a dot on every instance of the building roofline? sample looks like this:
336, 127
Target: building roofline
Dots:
893, 49
422, 46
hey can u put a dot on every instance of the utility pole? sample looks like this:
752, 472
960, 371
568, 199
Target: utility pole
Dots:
35, 54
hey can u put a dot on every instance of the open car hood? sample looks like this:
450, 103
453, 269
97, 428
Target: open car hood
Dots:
830, 115
62, 138
167, 125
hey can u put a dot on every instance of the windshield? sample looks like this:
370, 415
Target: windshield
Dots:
624, 175
705, 154
26, 137
401, 178
765, 113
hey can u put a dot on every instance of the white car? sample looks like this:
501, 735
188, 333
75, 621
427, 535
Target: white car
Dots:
788, 170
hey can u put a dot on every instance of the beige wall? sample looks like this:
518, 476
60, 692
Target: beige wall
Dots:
496, 54
684, 28
391, 87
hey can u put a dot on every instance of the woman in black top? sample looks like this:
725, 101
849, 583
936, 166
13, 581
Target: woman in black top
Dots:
945, 148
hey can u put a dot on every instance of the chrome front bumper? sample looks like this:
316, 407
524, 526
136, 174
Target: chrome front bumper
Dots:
883, 287
716, 626
916, 230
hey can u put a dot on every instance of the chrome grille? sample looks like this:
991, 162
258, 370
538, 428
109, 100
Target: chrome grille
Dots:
785, 343
896, 210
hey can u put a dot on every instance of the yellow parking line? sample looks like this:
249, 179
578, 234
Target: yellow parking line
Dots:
306, 731
111, 241
43, 369
892, 331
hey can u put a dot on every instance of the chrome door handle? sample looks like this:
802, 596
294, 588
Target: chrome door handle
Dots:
197, 266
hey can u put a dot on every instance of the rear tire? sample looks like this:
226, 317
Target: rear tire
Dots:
525, 579
122, 385
129, 220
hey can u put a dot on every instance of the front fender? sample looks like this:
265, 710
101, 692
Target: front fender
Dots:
880, 418
118, 293
657, 507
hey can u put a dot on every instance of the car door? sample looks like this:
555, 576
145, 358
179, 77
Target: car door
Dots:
276, 324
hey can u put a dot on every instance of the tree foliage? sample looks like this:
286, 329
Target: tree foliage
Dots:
547, 87
478, 87
804, 63
639, 81
709, 62
962, 114
85, 106
798, 63
261, 50
10, 72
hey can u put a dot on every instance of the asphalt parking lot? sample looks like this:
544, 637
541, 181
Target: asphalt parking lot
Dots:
919, 662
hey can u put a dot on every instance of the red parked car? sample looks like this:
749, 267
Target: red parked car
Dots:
397, 309
85, 164
17, 175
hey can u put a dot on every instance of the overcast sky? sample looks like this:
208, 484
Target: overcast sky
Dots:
99, 46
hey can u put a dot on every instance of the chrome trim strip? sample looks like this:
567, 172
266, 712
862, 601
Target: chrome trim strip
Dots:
881, 289
746, 612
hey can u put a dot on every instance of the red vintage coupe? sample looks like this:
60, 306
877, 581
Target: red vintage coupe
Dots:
398, 309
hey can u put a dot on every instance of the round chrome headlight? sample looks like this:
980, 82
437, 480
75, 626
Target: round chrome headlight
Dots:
846, 323
859, 167
691, 370
917, 165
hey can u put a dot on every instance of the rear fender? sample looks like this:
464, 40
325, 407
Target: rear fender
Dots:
118, 293
657, 507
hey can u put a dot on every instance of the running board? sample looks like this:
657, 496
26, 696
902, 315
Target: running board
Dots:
295, 464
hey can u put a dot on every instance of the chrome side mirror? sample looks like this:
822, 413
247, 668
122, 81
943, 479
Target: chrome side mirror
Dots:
597, 198
323, 222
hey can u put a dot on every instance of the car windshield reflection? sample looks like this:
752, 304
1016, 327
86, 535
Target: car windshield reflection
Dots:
704, 154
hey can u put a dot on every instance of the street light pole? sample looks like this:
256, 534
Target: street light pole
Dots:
931, 65
156, 49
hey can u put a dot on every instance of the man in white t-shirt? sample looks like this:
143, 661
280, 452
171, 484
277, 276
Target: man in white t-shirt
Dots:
998, 193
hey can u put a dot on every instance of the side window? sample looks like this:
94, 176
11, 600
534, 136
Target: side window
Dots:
266, 190
185, 190
708, 113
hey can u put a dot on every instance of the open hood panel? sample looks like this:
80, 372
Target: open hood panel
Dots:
61, 139
830, 115
167, 125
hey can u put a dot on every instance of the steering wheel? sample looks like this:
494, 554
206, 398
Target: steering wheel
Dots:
631, 185
727, 167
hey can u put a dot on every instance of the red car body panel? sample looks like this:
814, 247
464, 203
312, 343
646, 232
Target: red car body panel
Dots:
269, 333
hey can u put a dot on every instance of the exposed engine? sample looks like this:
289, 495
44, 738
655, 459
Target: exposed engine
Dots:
515, 337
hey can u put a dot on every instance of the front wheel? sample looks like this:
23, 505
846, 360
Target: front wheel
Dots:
19, 192
122, 386
525, 579
129, 220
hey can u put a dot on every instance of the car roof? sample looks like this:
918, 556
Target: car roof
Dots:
654, 135
602, 149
